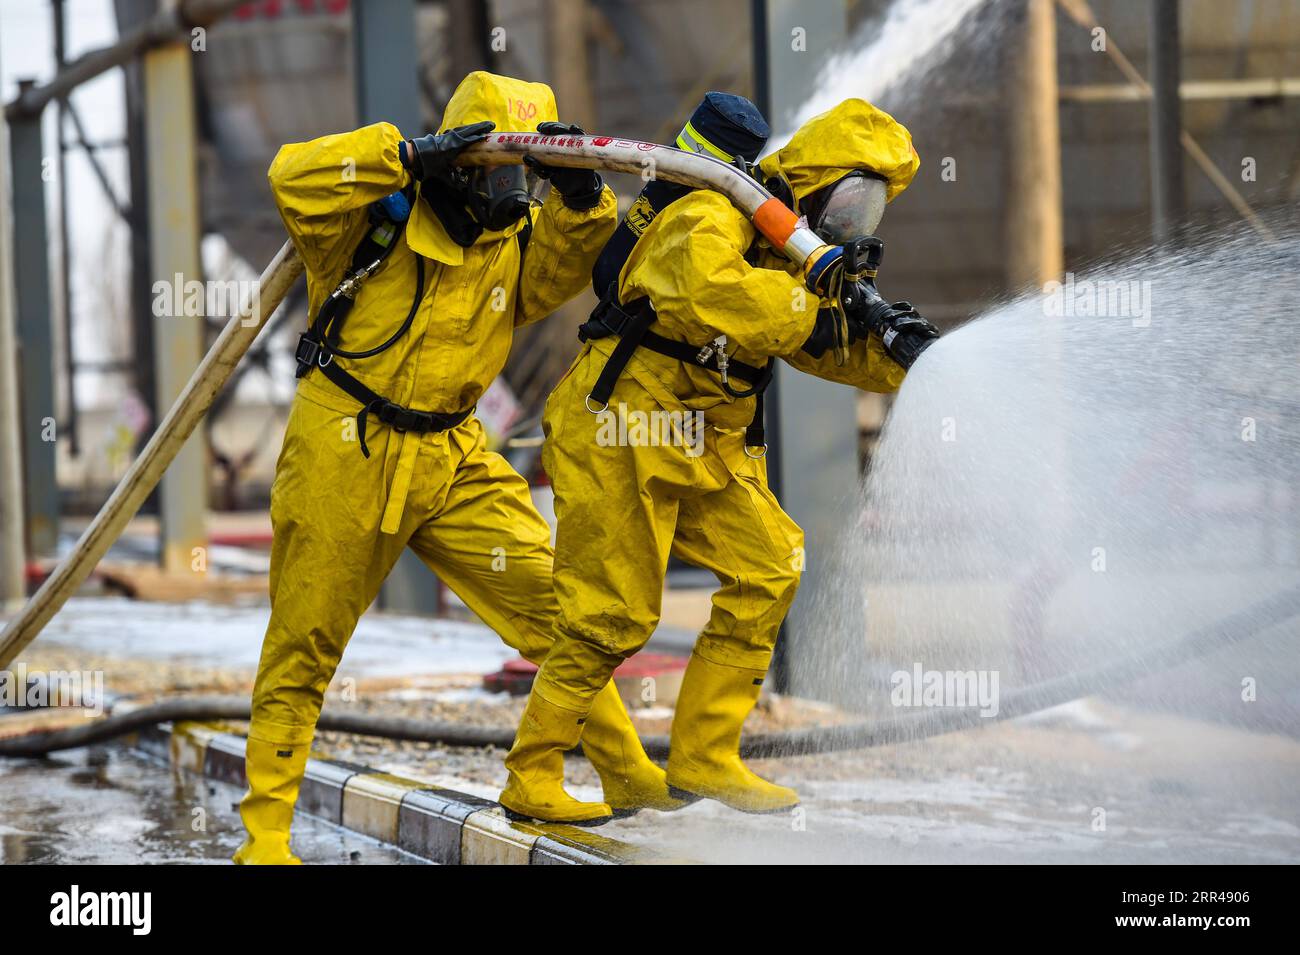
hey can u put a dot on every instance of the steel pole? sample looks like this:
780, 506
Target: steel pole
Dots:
173, 194
12, 551
164, 27
1168, 195
36, 401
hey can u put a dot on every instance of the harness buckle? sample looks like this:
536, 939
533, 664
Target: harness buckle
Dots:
402, 419
601, 410
307, 354
614, 318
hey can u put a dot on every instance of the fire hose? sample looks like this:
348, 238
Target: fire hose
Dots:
779, 225
1239, 626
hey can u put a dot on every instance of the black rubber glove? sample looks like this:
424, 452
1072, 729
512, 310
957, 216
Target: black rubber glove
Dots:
579, 188
822, 338
432, 156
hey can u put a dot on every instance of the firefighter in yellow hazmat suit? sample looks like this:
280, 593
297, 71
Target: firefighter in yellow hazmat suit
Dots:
709, 287
382, 451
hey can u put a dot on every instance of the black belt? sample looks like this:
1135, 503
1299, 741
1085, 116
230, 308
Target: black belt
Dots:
632, 326
388, 412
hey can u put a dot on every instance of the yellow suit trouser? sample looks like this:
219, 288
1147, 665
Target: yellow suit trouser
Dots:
467, 514
623, 508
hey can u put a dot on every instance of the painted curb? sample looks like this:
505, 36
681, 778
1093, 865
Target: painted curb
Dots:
440, 825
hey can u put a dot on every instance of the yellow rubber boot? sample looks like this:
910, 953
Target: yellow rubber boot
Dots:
535, 789
275, 772
631, 781
704, 759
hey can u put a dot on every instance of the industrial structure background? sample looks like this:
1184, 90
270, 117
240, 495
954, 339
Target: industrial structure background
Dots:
1146, 145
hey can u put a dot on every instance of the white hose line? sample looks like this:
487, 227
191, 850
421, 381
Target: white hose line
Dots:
147, 470
777, 223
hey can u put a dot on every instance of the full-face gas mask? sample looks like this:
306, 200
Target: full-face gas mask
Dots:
847, 209
498, 196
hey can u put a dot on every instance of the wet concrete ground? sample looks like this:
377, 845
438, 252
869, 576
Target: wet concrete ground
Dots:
110, 805
1173, 788
1090, 783
1024, 792
1094, 782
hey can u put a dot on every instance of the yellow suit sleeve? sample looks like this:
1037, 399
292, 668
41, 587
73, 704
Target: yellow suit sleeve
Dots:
561, 252
691, 263
868, 367
322, 189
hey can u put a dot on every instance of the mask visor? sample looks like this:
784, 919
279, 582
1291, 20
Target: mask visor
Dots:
853, 209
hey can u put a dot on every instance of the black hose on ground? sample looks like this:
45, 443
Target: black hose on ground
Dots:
935, 722
205, 708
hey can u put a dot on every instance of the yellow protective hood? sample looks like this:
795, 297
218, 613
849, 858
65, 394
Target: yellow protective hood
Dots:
852, 135
515, 106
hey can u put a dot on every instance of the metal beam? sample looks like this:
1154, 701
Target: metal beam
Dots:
1081, 13
141, 297
469, 37
1034, 229
1035, 244
1263, 88
164, 27
816, 469
67, 351
387, 67
12, 550
761, 57
1168, 191
566, 55
35, 338
173, 193
388, 88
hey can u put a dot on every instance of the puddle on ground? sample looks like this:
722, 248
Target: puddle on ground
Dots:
110, 805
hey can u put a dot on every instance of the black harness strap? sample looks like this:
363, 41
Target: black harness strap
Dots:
318, 346
522, 237
632, 330
632, 326
394, 415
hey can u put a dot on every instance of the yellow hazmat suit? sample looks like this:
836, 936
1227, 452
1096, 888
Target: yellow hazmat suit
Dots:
341, 519
623, 506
